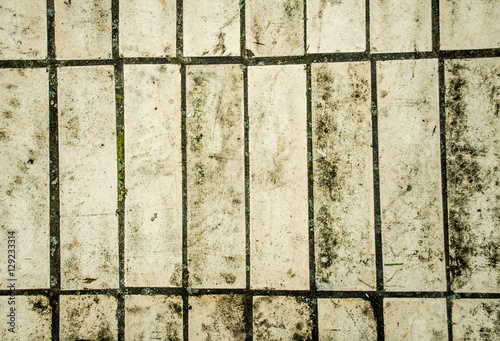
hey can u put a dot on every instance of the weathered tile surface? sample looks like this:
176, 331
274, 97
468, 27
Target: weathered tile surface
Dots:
469, 24
216, 317
30, 320
153, 176
278, 177
88, 317
147, 28
415, 319
83, 29
24, 189
336, 26
476, 319
274, 28
400, 26
346, 319
343, 176
87, 171
155, 317
215, 173
281, 318
211, 29
473, 173
410, 177
23, 33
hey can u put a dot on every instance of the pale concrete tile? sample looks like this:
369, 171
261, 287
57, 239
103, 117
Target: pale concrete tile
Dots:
30, 320
278, 177
153, 175
469, 24
211, 29
343, 176
274, 27
24, 156
216, 317
83, 29
346, 319
281, 318
147, 28
215, 176
476, 319
400, 26
155, 317
410, 175
24, 29
88, 317
88, 182
473, 173
336, 26
415, 319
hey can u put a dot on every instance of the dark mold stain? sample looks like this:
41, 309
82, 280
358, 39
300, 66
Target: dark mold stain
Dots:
228, 278
264, 321
40, 305
228, 317
175, 308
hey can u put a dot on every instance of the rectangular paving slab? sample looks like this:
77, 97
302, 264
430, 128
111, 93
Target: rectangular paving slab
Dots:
88, 182
215, 173
278, 177
24, 31
343, 176
147, 28
473, 173
24, 200
153, 216
410, 178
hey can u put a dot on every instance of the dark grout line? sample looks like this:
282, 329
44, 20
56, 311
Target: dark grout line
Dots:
242, 29
121, 192
305, 27
249, 297
185, 274
179, 29
435, 26
367, 29
55, 246
171, 291
120, 161
54, 202
179, 59
378, 306
248, 313
310, 189
278, 60
444, 190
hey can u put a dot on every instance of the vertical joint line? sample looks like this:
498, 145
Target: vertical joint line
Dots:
376, 179
121, 193
55, 241
179, 30
435, 26
115, 18
444, 192
184, 204
120, 163
310, 196
54, 203
379, 304
305, 27
249, 297
242, 29
367, 30
51, 44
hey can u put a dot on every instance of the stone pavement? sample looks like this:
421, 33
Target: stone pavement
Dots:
250, 170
